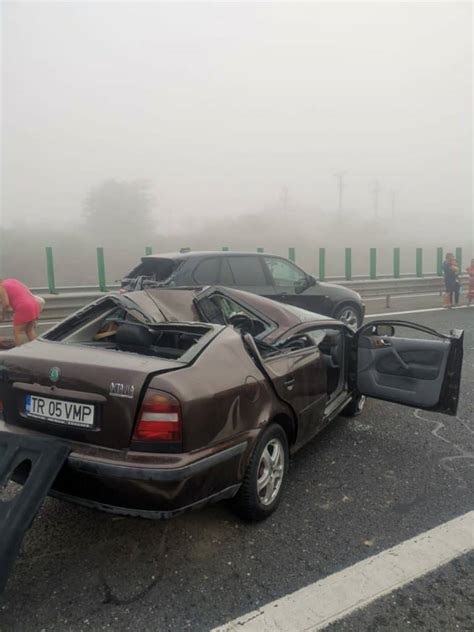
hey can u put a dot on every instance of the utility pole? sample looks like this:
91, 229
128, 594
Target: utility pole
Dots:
376, 191
339, 176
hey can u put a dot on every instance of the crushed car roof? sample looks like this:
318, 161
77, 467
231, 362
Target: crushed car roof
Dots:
179, 305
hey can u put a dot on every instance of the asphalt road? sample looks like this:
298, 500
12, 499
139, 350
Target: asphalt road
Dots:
442, 600
364, 485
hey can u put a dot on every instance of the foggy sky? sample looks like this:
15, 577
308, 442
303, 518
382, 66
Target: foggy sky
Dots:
220, 106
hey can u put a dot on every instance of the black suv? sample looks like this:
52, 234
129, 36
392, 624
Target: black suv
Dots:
268, 275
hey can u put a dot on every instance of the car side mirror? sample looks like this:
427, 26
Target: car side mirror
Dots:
304, 284
383, 330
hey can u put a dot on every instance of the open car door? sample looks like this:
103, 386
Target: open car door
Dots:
423, 373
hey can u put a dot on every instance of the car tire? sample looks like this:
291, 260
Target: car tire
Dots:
269, 461
355, 406
349, 314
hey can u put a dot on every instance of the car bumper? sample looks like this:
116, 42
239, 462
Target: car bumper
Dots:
105, 469
149, 485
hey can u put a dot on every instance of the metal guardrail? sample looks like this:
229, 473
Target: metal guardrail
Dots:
72, 298
341, 280
418, 260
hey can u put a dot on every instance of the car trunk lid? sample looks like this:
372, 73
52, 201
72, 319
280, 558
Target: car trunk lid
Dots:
105, 390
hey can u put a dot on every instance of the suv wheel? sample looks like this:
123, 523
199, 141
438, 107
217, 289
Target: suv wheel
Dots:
350, 315
264, 479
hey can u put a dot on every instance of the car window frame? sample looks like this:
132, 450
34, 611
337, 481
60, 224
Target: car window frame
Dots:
287, 261
303, 328
271, 325
261, 263
203, 260
134, 272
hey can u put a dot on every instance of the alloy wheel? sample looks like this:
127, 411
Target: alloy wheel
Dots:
270, 472
350, 317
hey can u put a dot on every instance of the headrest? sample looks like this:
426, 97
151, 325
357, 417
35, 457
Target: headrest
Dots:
131, 334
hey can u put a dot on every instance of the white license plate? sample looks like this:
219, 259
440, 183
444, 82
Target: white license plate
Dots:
60, 411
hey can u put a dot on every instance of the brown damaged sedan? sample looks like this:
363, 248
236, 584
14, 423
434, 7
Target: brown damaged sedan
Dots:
171, 398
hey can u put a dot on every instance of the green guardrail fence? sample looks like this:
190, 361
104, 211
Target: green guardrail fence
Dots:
419, 262
322, 264
373, 263
50, 270
439, 261
372, 273
101, 270
396, 263
348, 264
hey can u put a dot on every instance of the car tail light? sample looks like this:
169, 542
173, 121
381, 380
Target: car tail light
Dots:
1, 409
159, 418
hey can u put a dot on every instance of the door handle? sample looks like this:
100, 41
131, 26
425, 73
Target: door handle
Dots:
382, 342
290, 382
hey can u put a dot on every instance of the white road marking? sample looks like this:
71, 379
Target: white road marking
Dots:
418, 311
320, 604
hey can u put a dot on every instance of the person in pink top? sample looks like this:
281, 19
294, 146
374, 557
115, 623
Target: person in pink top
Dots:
16, 297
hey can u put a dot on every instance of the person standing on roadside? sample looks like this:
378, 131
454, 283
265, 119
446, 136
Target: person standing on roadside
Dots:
470, 291
450, 279
456, 268
16, 297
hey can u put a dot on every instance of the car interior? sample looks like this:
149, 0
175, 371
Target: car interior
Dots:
332, 350
119, 329
402, 368
222, 310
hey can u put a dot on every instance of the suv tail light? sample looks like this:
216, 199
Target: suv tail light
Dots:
159, 419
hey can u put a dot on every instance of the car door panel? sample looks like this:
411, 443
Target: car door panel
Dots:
420, 364
415, 372
299, 378
310, 299
389, 369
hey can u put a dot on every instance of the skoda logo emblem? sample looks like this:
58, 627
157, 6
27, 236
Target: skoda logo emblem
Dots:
54, 374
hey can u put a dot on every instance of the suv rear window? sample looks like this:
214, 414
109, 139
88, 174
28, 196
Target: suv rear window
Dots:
158, 269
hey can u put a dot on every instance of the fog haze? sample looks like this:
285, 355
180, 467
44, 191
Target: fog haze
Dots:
239, 111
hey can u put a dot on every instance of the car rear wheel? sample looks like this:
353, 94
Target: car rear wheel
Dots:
265, 477
350, 315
